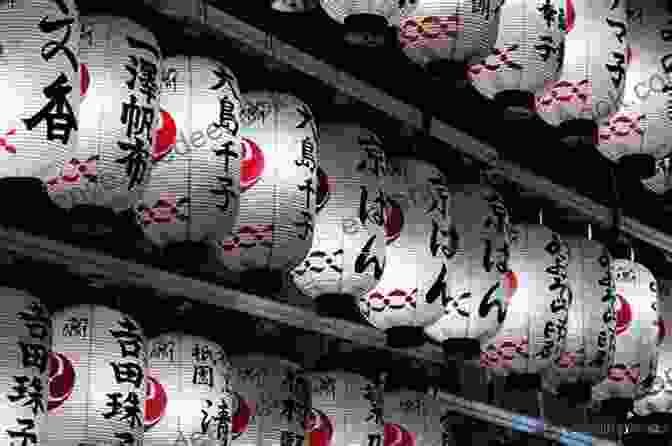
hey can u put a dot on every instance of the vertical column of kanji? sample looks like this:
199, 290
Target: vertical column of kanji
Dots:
374, 393
409, 409
25, 342
354, 392
249, 380
325, 423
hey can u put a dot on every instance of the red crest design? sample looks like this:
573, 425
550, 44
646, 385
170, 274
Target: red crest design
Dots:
156, 402
623, 315
166, 136
252, 166
61, 380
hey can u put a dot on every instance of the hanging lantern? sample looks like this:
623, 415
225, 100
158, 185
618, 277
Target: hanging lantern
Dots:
661, 182
527, 55
478, 283
278, 186
408, 297
593, 71
410, 410
439, 422
279, 395
97, 388
295, 6
589, 350
118, 119
192, 196
347, 258
194, 375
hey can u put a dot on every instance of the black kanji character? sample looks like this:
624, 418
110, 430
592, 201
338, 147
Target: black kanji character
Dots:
308, 188
128, 372
227, 152
30, 390
24, 434
439, 288
136, 161
224, 78
492, 299
115, 404
481, 6
374, 214
306, 225
501, 257
227, 118
375, 440
617, 70
203, 375
548, 12
307, 118
138, 119
125, 438
129, 408
374, 163
76, 327
58, 112
145, 73
364, 259
34, 355
307, 155
139, 44
37, 321
443, 240
53, 47
545, 48
224, 191
131, 343
621, 29
440, 199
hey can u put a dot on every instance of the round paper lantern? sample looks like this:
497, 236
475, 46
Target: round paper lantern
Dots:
439, 429
347, 258
535, 330
278, 185
193, 196
98, 385
118, 119
589, 351
195, 376
593, 70
25, 330
636, 135
279, 395
657, 398
478, 283
527, 55
241, 417
408, 297
409, 409
295, 6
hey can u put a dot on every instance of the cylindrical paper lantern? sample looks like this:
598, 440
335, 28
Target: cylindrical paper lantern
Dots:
279, 395
97, 390
118, 118
478, 283
593, 70
193, 196
25, 330
410, 409
408, 297
527, 54
347, 258
589, 351
195, 376
278, 185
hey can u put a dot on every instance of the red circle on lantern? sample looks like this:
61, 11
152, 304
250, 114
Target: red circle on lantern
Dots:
156, 401
166, 136
241, 419
323, 190
394, 220
623, 315
661, 331
84, 80
570, 15
61, 380
252, 166
393, 435
510, 282
319, 428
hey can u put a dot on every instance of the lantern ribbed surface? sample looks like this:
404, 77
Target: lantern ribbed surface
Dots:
275, 389
119, 116
348, 253
97, 390
39, 85
658, 397
478, 243
189, 390
278, 184
450, 30
25, 343
535, 330
408, 294
528, 51
589, 350
593, 70
193, 194
636, 331
339, 10
410, 409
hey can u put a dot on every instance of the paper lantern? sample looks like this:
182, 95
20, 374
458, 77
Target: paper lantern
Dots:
25, 330
478, 283
410, 410
194, 374
279, 395
347, 258
118, 119
635, 136
589, 351
295, 6
97, 390
593, 71
408, 297
527, 55
439, 429
194, 196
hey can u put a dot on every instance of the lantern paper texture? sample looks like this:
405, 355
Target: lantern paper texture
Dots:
595, 52
195, 375
479, 284
194, 196
411, 410
98, 388
25, 330
409, 293
348, 252
39, 85
534, 332
119, 116
279, 395
636, 331
589, 350
278, 185
339, 10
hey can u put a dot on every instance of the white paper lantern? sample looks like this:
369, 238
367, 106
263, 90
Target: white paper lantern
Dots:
279, 395
119, 116
194, 196
408, 297
657, 398
411, 410
97, 393
527, 54
25, 330
347, 258
194, 374
636, 331
589, 351
593, 70
295, 6
478, 283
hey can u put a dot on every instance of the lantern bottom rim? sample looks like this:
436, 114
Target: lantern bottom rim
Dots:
517, 104
366, 30
337, 306
461, 348
638, 165
92, 221
448, 70
405, 337
579, 132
